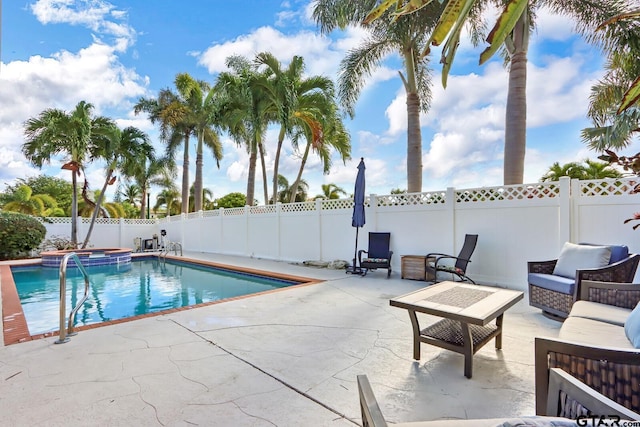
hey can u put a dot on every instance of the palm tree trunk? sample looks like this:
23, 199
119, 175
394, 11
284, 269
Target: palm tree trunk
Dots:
185, 175
276, 163
97, 209
515, 135
265, 185
294, 187
251, 179
143, 203
197, 196
74, 209
414, 144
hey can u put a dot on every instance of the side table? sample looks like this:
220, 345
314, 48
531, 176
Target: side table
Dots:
413, 267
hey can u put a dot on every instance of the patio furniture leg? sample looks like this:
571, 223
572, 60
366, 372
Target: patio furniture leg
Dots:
416, 334
499, 336
468, 349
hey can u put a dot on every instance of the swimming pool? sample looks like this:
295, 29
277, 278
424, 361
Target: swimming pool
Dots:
140, 288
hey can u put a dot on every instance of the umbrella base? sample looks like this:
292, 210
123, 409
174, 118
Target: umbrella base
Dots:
352, 269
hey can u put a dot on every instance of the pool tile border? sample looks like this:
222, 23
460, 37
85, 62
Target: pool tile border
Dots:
16, 330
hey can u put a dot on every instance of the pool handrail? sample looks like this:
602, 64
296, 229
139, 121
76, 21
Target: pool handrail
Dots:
65, 333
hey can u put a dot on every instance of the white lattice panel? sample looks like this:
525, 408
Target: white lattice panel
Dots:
57, 220
101, 220
608, 187
334, 204
234, 211
412, 199
207, 214
511, 192
262, 209
192, 215
138, 221
298, 207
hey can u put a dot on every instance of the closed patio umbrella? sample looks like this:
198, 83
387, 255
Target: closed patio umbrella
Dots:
358, 218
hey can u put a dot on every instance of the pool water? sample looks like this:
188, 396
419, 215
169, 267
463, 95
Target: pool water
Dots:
121, 291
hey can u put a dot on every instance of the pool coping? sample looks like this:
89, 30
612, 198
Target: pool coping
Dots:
14, 324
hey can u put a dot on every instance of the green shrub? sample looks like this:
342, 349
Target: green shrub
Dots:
19, 234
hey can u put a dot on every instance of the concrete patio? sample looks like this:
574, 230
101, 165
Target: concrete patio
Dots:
286, 358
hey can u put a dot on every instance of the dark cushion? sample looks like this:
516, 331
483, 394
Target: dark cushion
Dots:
618, 253
375, 260
553, 283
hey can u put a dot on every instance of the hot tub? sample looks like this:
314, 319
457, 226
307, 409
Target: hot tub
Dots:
88, 257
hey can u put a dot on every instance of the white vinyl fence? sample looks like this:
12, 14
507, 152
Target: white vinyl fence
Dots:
515, 224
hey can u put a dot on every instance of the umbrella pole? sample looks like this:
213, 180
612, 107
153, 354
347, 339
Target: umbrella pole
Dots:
354, 269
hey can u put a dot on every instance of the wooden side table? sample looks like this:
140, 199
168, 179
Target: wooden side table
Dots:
413, 267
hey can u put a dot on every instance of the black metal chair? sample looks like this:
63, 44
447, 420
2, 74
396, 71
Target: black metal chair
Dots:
459, 269
378, 255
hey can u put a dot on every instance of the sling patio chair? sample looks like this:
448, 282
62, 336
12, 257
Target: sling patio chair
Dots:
434, 264
378, 253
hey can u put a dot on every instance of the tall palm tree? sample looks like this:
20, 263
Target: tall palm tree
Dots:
291, 95
202, 105
170, 199
55, 132
407, 36
121, 149
573, 170
243, 111
511, 31
173, 111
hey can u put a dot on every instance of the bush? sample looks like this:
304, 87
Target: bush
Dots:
19, 235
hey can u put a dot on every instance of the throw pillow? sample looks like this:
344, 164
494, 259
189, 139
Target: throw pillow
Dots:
578, 257
632, 327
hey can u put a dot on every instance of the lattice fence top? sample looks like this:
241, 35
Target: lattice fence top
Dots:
608, 187
509, 192
114, 221
55, 220
215, 212
140, 221
334, 204
412, 199
234, 211
298, 207
263, 209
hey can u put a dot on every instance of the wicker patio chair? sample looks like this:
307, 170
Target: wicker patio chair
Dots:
434, 261
378, 253
557, 304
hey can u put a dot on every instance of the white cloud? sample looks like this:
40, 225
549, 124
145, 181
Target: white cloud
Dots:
96, 15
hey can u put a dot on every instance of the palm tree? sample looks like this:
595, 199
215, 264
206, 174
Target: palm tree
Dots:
244, 112
124, 150
600, 170
512, 32
201, 99
131, 194
24, 201
175, 115
170, 198
288, 194
55, 132
406, 36
573, 170
323, 130
207, 195
331, 191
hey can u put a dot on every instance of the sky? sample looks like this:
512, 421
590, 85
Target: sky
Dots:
56, 53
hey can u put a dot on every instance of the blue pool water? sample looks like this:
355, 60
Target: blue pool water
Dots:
121, 291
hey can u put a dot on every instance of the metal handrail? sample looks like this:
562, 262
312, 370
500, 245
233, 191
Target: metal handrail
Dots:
64, 335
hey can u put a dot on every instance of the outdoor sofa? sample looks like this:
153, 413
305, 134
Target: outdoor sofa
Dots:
598, 343
555, 284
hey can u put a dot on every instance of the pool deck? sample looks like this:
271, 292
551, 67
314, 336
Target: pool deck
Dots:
286, 358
